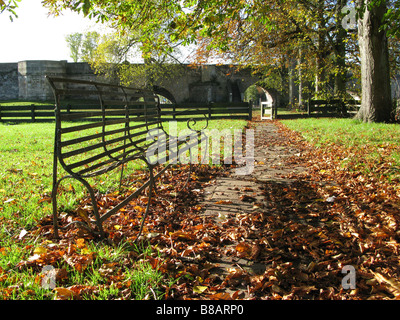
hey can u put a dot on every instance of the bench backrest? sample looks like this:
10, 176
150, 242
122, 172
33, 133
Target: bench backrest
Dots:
100, 126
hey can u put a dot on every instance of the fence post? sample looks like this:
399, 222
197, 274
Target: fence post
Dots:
250, 105
0, 113
209, 111
174, 111
33, 112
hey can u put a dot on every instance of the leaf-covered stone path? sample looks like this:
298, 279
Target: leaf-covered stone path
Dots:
233, 197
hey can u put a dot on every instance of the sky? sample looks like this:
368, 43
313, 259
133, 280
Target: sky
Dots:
36, 36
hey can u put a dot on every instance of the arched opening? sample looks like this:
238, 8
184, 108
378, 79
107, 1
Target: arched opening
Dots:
165, 96
258, 96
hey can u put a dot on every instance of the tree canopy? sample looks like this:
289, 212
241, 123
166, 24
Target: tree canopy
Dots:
311, 37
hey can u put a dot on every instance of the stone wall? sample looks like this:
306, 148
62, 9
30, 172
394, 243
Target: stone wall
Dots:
31, 79
9, 81
26, 80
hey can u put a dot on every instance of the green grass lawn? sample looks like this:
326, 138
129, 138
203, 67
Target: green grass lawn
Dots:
26, 162
346, 132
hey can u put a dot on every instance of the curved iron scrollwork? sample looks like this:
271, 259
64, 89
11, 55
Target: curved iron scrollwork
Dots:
194, 122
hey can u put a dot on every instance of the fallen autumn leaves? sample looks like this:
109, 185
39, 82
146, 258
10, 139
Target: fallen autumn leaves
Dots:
309, 229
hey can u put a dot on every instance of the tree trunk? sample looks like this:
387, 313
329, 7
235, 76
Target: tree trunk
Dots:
376, 100
300, 76
293, 91
340, 52
320, 75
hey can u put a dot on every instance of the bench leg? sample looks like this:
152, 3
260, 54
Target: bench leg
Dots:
95, 208
189, 173
55, 209
121, 176
54, 203
150, 195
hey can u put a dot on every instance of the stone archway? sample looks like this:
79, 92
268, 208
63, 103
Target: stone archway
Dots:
261, 94
165, 93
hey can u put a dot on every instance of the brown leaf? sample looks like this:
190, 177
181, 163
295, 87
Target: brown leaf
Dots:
79, 289
303, 290
79, 262
392, 285
80, 243
64, 294
243, 249
45, 198
246, 198
224, 202
219, 296
183, 235
255, 251
60, 274
107, 269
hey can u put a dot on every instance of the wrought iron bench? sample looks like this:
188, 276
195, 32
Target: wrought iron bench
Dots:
101, 127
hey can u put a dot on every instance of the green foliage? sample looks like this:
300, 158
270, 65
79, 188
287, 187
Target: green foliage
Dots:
392, 18
116, 57
251, 94
89, 45
82, 46
74, 42
9, 6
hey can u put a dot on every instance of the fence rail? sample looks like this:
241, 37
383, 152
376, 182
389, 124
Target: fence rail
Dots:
27, 113
169, 112
333, 106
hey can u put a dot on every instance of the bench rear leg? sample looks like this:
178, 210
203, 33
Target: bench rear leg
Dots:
189, 173
150, 195
121, 176
95, 208
55, 206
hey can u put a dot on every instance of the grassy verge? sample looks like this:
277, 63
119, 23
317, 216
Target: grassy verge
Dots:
369, 148
25, 103
90, 270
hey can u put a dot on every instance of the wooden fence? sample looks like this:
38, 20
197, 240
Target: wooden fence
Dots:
169, 112
196, 111
27, 113
335, 106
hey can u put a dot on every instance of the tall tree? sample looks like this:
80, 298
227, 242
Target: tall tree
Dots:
89, 45
376, 101
117, 57
340, 51
82, 46
74, 42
